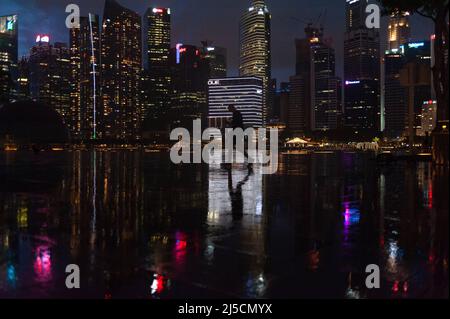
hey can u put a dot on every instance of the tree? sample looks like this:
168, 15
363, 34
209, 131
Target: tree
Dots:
437, 11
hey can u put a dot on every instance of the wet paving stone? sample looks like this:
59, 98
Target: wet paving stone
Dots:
139, 226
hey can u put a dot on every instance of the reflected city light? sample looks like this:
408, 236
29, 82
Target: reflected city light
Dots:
11, 275
43, 264
180, 223
157, 285
351, 215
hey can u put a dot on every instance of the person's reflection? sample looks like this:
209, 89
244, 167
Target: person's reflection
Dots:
237, 200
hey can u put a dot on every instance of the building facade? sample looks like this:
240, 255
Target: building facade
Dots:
23, 80
85, 62
315, 102
399, 31
299, 108
396, 97
213, 61
121, 71
326, 90
158, 76
255, 46
245, 93
50, 75
361, 70
9, 28
428, 118
188, 97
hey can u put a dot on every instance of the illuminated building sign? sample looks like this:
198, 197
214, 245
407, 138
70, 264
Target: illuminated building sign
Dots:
42, 38
430, 102
8, 24
161, 10
179, 48
352, 82
415, 45
213, 82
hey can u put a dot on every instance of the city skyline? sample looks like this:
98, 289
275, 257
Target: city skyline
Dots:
192, 24
239, 149
176, 77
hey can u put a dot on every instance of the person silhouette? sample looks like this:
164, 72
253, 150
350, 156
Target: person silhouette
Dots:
236, 197
237, 122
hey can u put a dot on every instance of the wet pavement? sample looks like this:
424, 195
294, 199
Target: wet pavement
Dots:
141, 227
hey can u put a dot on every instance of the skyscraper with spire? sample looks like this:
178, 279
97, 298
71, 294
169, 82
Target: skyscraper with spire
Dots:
255, 49
121, 69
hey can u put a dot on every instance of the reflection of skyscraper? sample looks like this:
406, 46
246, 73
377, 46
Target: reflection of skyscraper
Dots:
121, 72
399, 31
85, 57
8, 54
158, 51
50, 74
255, 49
361, 70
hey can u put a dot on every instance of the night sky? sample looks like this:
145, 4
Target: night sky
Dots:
214, 20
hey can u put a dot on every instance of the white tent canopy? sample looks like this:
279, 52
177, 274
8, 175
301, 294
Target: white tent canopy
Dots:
297, 140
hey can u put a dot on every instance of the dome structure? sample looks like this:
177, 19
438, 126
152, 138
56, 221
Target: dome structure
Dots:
31, 122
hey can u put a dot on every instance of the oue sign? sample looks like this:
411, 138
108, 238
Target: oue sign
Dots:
213, 82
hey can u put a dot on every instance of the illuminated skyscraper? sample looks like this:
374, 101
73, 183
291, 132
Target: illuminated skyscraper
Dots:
158, 77
298, 113
23, 80
85, 95
255, 49
428, 118
121, 59
315, 102
8, 55
188, 86
50, 75
213, 61
361, 70
399, 31
245, 93
396, 95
